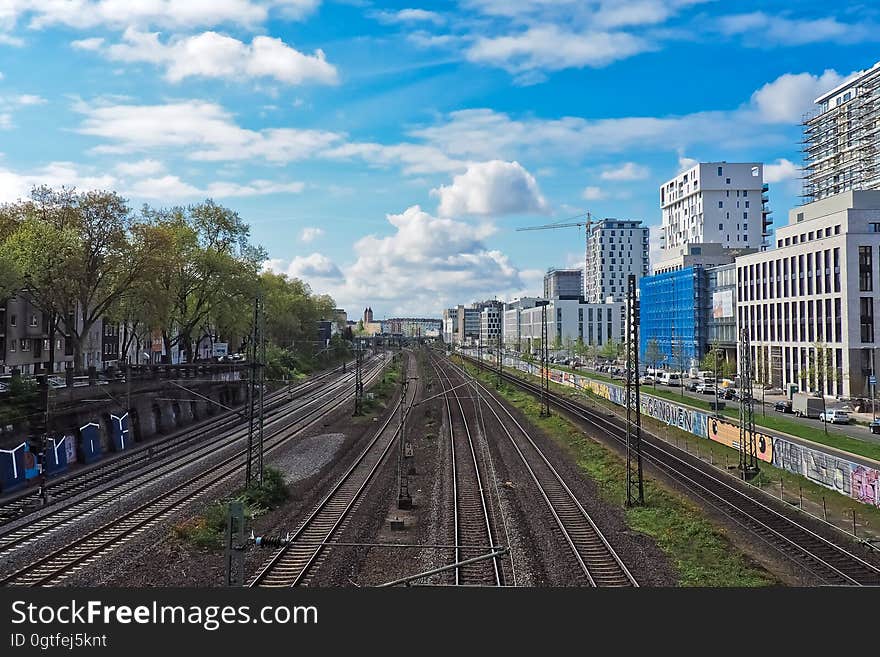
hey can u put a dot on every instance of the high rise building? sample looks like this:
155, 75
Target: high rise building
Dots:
841, 147
714, 203
615, 249
564, 284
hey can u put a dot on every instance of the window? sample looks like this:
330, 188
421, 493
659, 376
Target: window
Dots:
866, 270
746, 193
33, 320
719, 171
866, 318
755, 172
720, 204
728, 181
13, 320
837, 270
747, 204
837, 320
837, 229
800, 216
24, 344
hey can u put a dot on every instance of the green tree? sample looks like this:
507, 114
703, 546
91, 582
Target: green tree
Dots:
76, 255
610, 349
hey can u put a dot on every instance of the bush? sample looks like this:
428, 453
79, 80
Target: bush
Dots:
273, 492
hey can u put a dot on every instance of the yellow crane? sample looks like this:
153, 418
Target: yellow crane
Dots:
565, 223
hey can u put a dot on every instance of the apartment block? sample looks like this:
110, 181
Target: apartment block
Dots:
615, 249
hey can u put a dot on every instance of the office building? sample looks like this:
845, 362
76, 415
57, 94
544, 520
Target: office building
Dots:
809, 305
570, 321
511, 328
564, 284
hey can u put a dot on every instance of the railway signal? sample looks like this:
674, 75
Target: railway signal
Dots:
635, 490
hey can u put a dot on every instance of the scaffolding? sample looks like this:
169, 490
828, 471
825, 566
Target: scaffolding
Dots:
840, 144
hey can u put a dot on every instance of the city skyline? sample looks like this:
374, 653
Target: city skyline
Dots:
334, 130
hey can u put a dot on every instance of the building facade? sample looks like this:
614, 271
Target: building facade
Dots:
722, 320
490, 325
703, 255
674, 310
511, 327
570, 321
841, 150
564, 284
809, 305
714, 203
450, 325
615, 249
414, 327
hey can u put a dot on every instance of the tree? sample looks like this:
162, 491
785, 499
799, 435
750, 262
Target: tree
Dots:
654, 356
609, 349
95, 259
557, 343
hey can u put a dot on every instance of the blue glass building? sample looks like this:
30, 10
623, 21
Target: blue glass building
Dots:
674, 310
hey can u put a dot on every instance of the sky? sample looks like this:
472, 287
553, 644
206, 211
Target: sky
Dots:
386, 153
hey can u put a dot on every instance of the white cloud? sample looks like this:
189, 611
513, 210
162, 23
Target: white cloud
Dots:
140, 168
787, 98
205, 130
310, 234
781, 170
684, 162
170, 187
491, 188
551, 48
592, 193
5, 121
214, 55
15, 185
9, 40
93, 43
192, 14
29, 99
409, 16
763, 30
625, 172
308, 268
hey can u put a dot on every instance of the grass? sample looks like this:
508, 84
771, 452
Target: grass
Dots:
816, 434
700, 552
208, 530
839, 507
383, 391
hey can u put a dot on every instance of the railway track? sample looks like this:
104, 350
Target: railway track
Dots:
829, 561
594, 555
154, 472
61, 563
295, 562
28, 502
472, 520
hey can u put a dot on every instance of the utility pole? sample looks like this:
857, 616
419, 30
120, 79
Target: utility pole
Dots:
635, 490
748, 456
480, 348
545, 362
262, 366
404, 499
252, 393
500, 360
358, 380
715, 382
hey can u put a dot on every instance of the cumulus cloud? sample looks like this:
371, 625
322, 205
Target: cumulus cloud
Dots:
16, 185
626, 172
781, 170
491, 188
592, 193
313, 268
787, 98
214, 55
310, 234
140, 168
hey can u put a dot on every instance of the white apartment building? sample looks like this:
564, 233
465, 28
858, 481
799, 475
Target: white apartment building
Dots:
450, 325
615, 249
714, 202
570, 320
511, 326
490, 325
816, 293
841, 150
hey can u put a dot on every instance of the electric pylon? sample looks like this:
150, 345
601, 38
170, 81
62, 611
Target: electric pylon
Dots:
635, 491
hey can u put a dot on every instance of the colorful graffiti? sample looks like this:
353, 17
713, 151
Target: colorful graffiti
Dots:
727, 433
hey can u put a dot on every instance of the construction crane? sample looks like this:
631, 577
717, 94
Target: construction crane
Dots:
565, 223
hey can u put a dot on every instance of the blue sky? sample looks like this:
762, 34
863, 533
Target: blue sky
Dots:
386, 152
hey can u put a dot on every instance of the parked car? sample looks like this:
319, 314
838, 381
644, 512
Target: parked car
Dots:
783, 406
835, 416
874, 426
692, 385
728, 393
706, 387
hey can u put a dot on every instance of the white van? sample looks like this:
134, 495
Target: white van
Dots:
669, 378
